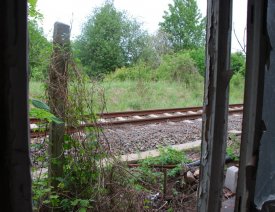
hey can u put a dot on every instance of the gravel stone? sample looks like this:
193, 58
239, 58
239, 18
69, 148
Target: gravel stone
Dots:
129, 139
136, 138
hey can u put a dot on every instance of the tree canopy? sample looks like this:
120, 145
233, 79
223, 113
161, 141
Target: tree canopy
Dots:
39, 46
39, 51
109, 40
184, 24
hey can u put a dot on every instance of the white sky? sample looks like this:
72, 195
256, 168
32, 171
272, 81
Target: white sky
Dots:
149, 12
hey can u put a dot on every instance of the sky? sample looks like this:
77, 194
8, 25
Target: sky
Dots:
149, 12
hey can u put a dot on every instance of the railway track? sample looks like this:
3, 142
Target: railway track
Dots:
139, 117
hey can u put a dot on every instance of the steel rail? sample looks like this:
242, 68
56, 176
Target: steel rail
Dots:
145, 112
145, 120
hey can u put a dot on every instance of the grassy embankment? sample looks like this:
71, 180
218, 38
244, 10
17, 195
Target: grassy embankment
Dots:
139, 95
175, 82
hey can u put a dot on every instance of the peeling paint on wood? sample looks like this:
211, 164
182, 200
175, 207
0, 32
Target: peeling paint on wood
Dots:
214, 133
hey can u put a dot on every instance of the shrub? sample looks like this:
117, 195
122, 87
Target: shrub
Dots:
238, 62
167, 156
177, 67
139, 71
198, 56
39, 52
237, 80
92, 179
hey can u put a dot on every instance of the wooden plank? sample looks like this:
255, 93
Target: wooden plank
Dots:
214, 129
251, 129
57, 89
15, 177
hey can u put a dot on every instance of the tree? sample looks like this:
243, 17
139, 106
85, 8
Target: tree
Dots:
157, 45
39, 51
109, 40
39, 46
184, 25
133, 41
33, 13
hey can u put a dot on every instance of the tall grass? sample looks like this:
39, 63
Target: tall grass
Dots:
236, 90
140, 95
176, 82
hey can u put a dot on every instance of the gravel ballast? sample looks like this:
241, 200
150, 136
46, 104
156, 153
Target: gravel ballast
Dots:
137, 138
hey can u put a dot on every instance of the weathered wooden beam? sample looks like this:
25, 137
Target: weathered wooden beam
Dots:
253, 101
57, 90
15, 177
214, 132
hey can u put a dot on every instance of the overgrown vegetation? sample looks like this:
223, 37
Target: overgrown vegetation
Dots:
233, 147
88, 182
167, 156
117, 66
139, 95
178, 67
39, 46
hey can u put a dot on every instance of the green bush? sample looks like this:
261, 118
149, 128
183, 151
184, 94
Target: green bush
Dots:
167, 156
237, 81
178, 67
238, 62
198, 56
139, 71
39, 52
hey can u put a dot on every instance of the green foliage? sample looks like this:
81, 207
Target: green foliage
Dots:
126, 95
40, 191
184, 24
230, 152
237, 81
179, 67
236, 88
238, 62
86, 182
41, 105
32, 10
142, 95
139, 71
39, 51
157, 45
80, 184
233, 149
39, 47
198, 56
42, 111
167, 156
109, 40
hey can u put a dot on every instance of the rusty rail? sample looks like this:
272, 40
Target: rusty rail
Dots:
144, 119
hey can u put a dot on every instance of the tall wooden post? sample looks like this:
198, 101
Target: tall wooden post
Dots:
15, 177
214, 132
258, 64
57, 97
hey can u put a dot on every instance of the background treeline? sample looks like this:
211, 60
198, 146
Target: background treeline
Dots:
115, 46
